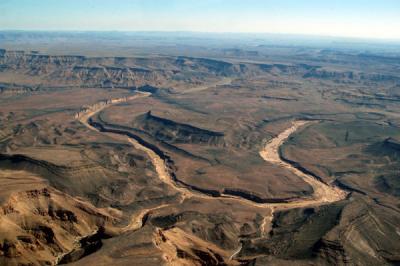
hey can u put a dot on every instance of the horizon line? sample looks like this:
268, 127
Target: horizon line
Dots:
307, 35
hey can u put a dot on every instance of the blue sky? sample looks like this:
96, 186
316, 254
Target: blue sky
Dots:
350, 18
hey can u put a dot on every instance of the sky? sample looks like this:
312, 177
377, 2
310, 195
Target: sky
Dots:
345, 18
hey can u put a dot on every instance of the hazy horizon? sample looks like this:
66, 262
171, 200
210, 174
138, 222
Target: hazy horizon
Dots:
347, 19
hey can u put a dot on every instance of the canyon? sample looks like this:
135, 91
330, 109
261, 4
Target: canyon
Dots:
197, 154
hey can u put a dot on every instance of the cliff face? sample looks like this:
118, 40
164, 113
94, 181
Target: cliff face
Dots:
353, 76
13, 89
90, 108
173, 132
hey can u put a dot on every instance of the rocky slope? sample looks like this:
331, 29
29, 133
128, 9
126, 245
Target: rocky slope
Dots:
39, 223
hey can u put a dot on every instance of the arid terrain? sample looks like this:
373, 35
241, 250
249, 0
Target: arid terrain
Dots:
141, 150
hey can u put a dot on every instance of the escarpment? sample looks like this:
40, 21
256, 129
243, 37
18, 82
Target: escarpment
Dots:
59, 176
349, 76
7, 89
173, 132
389, 147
